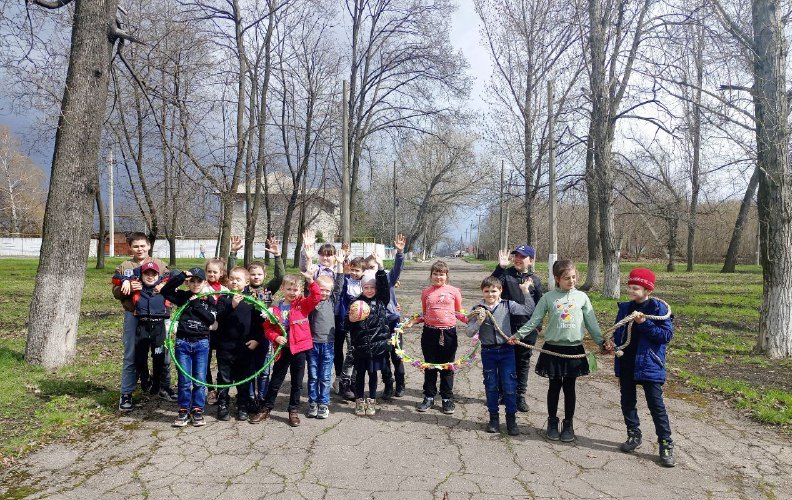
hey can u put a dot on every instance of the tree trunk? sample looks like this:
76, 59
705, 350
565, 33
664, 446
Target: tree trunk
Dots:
742, 217
592, 232
55, 310
695, 184
100, 238
774, 198
673, 231
300, 223
261, 157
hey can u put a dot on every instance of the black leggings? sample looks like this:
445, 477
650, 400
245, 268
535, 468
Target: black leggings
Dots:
361, 370
553, 393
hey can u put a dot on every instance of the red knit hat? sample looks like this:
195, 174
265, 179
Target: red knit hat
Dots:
642, 277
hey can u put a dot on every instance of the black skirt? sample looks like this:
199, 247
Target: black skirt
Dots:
550, 366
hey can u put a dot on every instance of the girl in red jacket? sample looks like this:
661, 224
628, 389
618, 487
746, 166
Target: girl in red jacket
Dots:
292, 312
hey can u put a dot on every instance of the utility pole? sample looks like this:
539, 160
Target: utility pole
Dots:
500, 217
553, 244
478, 237
110, 209
395, 204
346, 194
506, 224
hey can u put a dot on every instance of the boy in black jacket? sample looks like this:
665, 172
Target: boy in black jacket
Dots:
192, 342
512, 277
151, 311
239, 333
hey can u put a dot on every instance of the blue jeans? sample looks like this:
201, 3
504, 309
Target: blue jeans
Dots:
129, 373
320, 372
654, 400
193, 356
259, 385
500, 371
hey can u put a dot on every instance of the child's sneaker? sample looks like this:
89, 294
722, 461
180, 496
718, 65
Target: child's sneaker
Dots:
182, 419
125, 403
371, 407
633, 441
448, 406
360, 407
425, 404
323, 412
313, 410
667, 453
198, 417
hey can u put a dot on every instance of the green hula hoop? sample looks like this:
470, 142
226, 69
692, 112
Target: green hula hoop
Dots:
170, 339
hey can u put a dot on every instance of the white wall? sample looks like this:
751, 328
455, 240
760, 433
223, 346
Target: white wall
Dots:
189, 248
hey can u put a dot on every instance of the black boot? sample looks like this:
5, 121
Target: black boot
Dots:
667, 453
222, 411
494, 423
511, 424
399, 389
345, 388
567, 433
633, 441
552, 429
387, 394
522, 405
399, 385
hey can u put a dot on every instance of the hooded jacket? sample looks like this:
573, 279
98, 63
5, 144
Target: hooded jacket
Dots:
647, 349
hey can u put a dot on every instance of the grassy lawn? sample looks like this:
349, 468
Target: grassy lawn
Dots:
716, 322
38, 405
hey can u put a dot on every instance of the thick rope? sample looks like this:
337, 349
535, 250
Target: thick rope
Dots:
481, 314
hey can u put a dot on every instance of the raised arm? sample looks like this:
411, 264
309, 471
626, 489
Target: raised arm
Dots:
536, 319
383, 289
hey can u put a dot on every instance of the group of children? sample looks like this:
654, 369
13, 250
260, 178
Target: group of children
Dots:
344, 321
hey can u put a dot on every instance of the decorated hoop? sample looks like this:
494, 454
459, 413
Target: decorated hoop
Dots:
170, 339
423, 365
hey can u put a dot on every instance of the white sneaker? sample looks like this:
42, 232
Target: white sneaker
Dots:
323, 412
371, 407
313, 409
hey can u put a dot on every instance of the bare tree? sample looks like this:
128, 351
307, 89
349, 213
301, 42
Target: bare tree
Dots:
438, 174
768, 46
55, 310
530, 43
21, 194
401, 63
611, 26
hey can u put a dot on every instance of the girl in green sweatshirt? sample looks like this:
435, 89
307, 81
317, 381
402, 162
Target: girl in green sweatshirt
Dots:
569, 310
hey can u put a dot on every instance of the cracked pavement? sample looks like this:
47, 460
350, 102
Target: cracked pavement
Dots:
400, 453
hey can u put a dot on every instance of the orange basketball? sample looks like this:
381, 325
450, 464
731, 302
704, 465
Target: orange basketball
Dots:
358, 311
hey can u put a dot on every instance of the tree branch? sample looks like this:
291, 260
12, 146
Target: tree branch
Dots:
50, 4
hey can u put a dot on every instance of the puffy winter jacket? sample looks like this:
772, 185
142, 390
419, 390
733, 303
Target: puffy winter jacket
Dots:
648, 341
299, 329
370, 337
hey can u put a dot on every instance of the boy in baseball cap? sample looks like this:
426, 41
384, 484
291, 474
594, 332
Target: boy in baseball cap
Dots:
643, 362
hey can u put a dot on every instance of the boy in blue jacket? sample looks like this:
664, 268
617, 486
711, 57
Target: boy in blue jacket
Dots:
643, 362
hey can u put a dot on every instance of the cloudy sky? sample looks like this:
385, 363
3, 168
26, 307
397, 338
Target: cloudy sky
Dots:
465, 35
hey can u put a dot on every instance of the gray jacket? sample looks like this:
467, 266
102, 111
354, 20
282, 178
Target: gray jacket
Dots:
502, 312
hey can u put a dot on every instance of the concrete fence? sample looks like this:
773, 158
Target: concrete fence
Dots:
185, 248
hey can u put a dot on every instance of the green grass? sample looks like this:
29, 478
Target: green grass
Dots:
38, 405
716, 320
